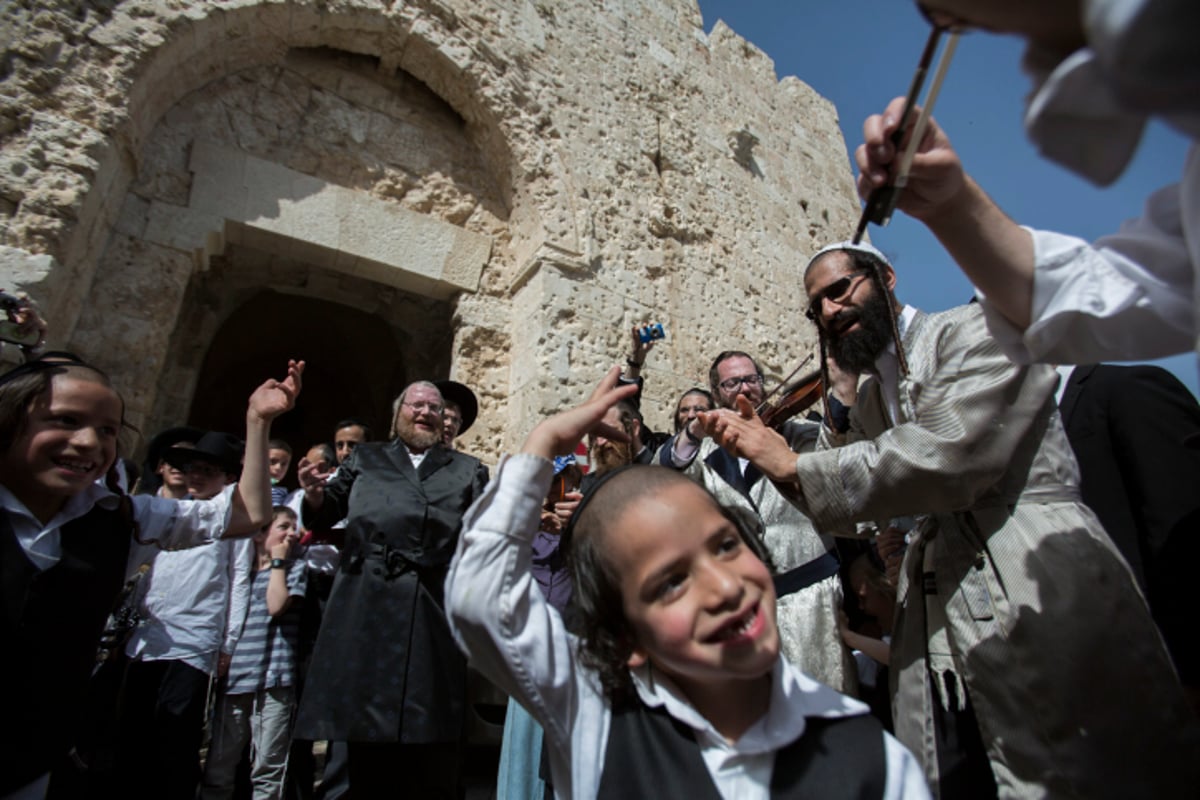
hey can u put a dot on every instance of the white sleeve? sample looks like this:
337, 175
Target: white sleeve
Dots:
496, 612
904, 776
241, 580
1128, 296
179, 524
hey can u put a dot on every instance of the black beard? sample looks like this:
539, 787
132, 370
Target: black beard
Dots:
857, 351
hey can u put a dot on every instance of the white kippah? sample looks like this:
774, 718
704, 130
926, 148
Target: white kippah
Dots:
861, 247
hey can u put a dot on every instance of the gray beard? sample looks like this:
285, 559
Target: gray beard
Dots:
418, 440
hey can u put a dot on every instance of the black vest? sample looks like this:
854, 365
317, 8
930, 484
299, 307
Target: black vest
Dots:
651, 754
51, 621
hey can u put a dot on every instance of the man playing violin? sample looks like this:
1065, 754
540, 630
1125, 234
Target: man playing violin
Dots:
805, 563
1019, 631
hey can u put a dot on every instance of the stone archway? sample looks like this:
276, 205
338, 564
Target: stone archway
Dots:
355, 368
251, 310
318, 178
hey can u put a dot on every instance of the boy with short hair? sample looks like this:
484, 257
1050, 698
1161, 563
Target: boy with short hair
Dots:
279, 461
676, 684
259, 693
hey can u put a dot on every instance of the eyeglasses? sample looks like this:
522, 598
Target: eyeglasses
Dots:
432, 408
835, 292
732, 384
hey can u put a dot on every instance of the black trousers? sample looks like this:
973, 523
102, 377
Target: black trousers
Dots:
963, 764
160, 729
392, 769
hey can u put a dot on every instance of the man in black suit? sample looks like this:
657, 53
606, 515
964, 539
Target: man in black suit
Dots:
1128, 427
386, 676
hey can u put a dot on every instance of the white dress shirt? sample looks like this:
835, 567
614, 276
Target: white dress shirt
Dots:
187, 595
168, 524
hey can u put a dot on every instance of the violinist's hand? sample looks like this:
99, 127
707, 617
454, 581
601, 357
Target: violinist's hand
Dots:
936, 176
743, 434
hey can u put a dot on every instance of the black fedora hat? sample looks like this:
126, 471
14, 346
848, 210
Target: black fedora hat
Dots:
464, 398
222, 449
163, 440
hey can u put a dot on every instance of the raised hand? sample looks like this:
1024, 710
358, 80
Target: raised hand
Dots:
936, 175
274, 397
561, 434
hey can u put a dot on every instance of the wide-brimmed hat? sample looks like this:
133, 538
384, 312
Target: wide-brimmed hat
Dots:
464, 398
222, 449
158, 446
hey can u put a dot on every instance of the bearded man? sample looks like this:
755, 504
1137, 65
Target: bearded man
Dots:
805, 562
1025, 662
386, 676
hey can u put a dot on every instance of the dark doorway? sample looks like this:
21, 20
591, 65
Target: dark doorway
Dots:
355, 368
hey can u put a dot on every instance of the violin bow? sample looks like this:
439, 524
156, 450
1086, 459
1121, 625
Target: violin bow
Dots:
882, 201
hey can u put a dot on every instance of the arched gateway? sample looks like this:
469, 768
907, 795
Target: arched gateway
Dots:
492, 191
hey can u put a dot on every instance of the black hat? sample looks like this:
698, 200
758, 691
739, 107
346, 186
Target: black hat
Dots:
464, 398
222, 449
165, 439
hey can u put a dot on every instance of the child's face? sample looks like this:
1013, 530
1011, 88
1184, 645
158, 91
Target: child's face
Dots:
68, 441
282, 528
700, 603
205, 480
278, 462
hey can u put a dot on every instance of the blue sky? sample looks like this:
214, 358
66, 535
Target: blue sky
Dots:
861, 53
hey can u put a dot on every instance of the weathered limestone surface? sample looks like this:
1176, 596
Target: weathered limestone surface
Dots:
557, 170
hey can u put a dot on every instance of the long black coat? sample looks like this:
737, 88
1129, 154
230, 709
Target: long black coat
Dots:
1127, 426
385, 668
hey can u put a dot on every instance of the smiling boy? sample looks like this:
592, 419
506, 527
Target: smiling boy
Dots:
675, 686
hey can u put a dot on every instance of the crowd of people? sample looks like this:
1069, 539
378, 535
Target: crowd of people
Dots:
962, 575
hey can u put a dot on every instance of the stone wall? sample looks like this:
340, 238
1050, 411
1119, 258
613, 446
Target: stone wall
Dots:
552, 173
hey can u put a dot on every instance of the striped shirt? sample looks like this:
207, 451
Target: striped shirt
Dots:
265, 656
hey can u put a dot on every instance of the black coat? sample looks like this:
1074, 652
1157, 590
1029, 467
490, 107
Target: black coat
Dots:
1127, 426
385, 667
51, 621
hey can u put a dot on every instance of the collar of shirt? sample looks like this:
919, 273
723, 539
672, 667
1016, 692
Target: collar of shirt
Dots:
887, 366
794, 696
1064, 375
415, 458
43, 543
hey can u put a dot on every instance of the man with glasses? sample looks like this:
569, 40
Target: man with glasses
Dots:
805, 562
1020, 632
462, 407
690, 404
386, 676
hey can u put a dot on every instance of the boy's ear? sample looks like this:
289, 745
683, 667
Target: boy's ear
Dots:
636, 658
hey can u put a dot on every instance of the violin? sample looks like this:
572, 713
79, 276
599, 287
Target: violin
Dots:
794, 398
